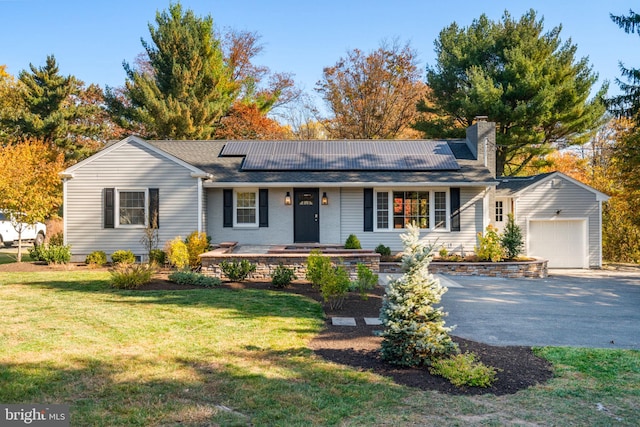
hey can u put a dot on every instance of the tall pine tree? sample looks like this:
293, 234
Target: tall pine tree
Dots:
186, 87
526, 80
627, 148
56, 109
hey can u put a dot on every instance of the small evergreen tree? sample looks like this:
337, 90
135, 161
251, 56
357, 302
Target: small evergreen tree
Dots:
414, 330
512, 240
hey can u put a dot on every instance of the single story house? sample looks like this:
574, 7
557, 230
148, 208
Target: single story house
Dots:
284, 192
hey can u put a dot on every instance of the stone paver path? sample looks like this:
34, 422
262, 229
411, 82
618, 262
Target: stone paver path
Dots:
343, 321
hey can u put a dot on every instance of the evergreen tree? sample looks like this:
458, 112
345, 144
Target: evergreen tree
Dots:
58, 110
414, 330
527, 81
186, 88
511, 239
627, 148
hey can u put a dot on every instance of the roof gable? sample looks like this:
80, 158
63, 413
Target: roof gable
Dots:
132, 140
515, 186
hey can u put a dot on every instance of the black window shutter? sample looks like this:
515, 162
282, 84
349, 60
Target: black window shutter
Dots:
154, 208
109, 207
454, 194
263, 203
227, 202
368, 209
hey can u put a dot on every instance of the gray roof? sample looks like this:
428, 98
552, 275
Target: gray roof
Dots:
510, 185
228, 168
343, 155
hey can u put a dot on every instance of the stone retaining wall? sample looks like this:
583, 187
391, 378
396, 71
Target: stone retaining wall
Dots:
267, 263
536, 268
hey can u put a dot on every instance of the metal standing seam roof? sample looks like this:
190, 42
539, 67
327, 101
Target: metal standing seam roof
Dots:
344, 155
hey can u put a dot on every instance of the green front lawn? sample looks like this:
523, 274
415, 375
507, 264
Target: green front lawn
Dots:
217, 356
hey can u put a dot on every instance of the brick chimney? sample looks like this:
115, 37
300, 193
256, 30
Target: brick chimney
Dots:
481, 140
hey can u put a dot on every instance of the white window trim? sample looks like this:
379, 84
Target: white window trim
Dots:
432, 209
235, 208
117, 207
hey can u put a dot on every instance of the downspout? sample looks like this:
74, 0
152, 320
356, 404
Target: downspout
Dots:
600, 233
65, 177
201, 177
199, 205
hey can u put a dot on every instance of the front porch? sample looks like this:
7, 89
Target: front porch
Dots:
268, 257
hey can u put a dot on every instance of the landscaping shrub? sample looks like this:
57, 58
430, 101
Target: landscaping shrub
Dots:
193, 278
414, 329
352, 242
157, 257
96, 259
51, 254
317, 266
334, 286
366, 280
177, 253
512, 240
57, 239
123, 257
237, 271
36, 252
464, 370
489, 247
197, 243
131, 276
282, 276
383, 250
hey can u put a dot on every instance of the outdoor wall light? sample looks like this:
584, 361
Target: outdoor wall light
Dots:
325, 199
287, 199
558, 211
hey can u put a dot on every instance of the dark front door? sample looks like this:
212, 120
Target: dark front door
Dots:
306, 221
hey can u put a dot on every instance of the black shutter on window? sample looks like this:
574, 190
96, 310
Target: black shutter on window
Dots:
263, 203
227, 202
109, 207
154, 208
454, 194
368, 209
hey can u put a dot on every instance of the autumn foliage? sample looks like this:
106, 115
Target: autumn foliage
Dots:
29, 181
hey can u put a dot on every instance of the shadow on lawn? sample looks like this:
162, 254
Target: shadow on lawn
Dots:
242, 388
248, 303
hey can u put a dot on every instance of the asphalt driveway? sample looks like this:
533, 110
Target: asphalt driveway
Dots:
580, 308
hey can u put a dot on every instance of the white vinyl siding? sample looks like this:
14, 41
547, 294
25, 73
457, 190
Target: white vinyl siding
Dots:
560, 199
130, 166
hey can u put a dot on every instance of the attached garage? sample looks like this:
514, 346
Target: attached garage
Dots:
565, 243
560, 217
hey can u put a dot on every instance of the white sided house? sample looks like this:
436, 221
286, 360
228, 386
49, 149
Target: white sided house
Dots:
286, 192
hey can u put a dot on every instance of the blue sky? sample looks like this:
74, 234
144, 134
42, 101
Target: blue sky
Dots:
91, 38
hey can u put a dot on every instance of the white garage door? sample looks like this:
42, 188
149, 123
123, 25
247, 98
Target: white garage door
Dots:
562, 242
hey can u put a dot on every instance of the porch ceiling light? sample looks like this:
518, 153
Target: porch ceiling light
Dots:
287, 199
325, 199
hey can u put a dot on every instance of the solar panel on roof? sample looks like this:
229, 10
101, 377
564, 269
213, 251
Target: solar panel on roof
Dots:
343, 155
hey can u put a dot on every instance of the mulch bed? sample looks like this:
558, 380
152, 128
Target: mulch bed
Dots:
358, 347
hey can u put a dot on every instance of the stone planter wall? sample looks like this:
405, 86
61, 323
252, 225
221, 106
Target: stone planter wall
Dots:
267, 263
536, 268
